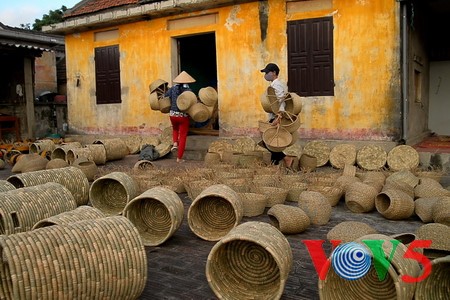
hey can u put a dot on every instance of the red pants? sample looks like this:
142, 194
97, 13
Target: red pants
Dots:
180, 128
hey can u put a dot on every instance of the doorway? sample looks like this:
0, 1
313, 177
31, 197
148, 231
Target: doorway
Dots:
197, 56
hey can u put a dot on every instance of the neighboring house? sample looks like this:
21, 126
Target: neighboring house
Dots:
28, 61
367, 70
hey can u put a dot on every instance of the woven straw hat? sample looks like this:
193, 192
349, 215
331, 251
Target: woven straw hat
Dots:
183, 77
349, 231
288, 219
318, 149
199, 112
208, 95
343, 154
371, 157
158, 84
403, 157
185, 100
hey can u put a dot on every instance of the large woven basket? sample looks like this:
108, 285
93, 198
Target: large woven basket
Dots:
239, 185
441, 211
164, 104
293, 103
290, 122
98, 153
423, 208
348, 231
436, 285
371, 157
440, 246
394, 204
61, 150
405, 176
318, 149
288, 219
56, 163
195, 187
21, 208
157, 214
333, 286
343, 154
252, 261
81, 213
41, 146
403, 157
199, 112
360, 197
277, 138
89, 168
84, 152
91, 259
153, 101
294, 189
275, 195
111, 192
5, 186
214, 212
212, 158
72, 178
399, 185
254, 203
307, 163
316, 206
185, 100
115, 148
332, 193
428, 187
208, 95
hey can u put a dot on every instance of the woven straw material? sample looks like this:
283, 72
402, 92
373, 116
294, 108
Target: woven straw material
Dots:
423, 208
343, 154
40, 146
360, 197
250, 160
219, 146
394, 204
60, 151
294, 150
244, 145
316, 206
89, 168
288, 219
231, 157
403, 157
6, 186
195, 187
252, 261
277, 138
153, 101
265, 102
441, 211
254, 203
349, 231
157, 214
437, 284
158, 84
344, 181
294, 189
269, 101
371, 157
369, 286
239, 185
212, 158
290, 122
307, 163
21, 208
437, 233
349, 170
293, 103
215, 212
142, 165
264, 125
164, 105
115, 148
275, 195
98, 153
318, 149
83, 212
332, 193
76, 153
405, 176
56, 163
111, 192
435, 174
375, 179
72, 178
208, 95
29, 163
163, 149
185, 100
149, 140
91, 259
398, 185
133, 143
428, 187
273, 180
199, 112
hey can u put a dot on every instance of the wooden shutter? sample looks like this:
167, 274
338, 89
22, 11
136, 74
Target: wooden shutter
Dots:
310, 57
107, 74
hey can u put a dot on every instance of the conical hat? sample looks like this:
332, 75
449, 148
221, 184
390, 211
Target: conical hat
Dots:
184, 77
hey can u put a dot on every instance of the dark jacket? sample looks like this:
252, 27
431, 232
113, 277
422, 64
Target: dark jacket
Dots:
173, 94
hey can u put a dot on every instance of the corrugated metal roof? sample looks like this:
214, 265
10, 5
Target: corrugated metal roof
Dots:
27, 46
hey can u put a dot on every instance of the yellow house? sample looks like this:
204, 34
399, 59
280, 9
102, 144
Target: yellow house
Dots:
362, 67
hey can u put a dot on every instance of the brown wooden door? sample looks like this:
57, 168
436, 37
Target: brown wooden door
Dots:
107, 74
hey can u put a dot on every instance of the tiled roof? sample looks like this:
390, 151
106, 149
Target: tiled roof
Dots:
90, 6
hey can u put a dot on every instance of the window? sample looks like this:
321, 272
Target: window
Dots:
310, 57
107, 74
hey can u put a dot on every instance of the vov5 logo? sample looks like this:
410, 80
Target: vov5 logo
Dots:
353, 260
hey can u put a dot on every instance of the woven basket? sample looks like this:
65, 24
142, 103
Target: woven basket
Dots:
212, 158
345, 181
394, 204
185, 100
294, 189
316, 206
61, 151
263, 126
111, 192
349, 231
199, 112
349, 170
404, 176
89, 168
430, 188
6, 186
72, 178
195, 187
403, 157
273, 180
250, 160
164, 105
288, 219
275, 195
332, 193
307, 163
41, 146
318, 149
153, 101
90, 259
370, 286
115, 148
22, 208
435, 175
208, 95
98, 153
371, 157
214, 212
29, 163
441, 211
83, 212
293, 103
375, 179
398, 185
436, 233
56, 163
423, 208
290, 122
158, 84
157, 214
254, 203
343, 154
360, 197
436, 285
239, 185
252, 261
143, 165
277, 138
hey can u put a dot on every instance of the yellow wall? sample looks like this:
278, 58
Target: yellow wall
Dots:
366, 70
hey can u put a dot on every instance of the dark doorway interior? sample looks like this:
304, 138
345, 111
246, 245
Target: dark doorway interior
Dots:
197, 56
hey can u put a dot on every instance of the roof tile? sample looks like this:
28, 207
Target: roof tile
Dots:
86, 7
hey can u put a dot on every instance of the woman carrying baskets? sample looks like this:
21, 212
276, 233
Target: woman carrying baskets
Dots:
179, 119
